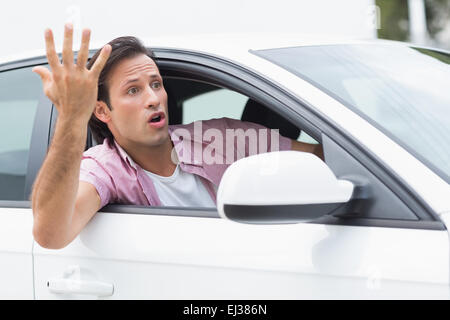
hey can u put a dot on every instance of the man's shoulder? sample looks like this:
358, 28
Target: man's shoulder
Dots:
103, 151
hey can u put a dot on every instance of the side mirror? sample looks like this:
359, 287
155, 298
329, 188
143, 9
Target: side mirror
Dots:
280, 187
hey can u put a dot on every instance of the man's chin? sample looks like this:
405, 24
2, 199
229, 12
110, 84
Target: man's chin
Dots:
158, 139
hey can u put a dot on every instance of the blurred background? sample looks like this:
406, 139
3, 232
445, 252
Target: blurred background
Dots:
22, 22
425, 22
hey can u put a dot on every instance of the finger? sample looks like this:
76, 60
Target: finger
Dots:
52, 57
84, 49
43, 72
67, 53
101, 60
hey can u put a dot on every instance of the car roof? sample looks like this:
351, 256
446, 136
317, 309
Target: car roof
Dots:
219, 44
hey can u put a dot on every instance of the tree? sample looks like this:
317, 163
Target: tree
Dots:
395, 21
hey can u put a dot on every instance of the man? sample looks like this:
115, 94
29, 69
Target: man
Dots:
121, 94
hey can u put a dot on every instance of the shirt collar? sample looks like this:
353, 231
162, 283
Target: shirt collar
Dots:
124, 155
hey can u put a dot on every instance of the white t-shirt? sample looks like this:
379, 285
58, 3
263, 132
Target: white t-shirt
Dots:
181, 189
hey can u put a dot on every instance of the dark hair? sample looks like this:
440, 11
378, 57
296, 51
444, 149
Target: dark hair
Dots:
122, 48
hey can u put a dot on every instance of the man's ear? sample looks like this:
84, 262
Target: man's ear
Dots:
102, 112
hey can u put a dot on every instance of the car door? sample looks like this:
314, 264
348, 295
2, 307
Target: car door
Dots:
20, 91
394, 250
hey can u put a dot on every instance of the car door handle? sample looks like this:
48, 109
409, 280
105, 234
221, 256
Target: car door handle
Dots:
96, 288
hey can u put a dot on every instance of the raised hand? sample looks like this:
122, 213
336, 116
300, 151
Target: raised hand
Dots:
71, 86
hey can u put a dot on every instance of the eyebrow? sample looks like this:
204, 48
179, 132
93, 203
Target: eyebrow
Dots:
153, 76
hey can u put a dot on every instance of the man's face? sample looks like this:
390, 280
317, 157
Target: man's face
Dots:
139, 103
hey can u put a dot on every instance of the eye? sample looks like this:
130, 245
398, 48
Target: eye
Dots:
132, 90
156, 85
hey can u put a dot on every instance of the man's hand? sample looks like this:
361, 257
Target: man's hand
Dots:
62, 205
72, 87
316, 149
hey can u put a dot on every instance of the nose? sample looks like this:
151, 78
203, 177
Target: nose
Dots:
152, 99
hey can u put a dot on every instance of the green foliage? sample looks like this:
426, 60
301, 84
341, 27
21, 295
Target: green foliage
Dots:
437, 13
437, 55
394, 19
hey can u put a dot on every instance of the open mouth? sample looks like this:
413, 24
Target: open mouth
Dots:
157, 120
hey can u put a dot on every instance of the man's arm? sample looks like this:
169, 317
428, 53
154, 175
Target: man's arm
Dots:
61, 204
307, 147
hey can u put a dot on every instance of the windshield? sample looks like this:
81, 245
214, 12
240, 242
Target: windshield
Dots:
403, 91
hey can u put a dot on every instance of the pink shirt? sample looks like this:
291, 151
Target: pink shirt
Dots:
205, 148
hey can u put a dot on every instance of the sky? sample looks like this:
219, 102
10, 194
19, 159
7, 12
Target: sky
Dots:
22, 23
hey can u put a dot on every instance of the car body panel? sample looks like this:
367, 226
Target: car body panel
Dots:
16, 263
173, 257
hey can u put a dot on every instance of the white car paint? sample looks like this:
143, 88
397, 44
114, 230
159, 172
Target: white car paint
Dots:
203, 258
16, 263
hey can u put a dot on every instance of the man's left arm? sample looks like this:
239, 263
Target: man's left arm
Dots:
307, 147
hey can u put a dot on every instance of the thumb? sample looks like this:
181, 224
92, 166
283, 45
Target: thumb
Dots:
43, 72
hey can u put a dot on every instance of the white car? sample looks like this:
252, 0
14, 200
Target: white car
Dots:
371, 222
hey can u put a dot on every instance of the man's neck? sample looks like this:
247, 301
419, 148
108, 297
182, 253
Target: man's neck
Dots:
156, 159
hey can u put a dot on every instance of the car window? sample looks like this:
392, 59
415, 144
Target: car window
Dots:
19, 93
304, 137
222, 103
409, 104
191, 100
214, 104
209, 103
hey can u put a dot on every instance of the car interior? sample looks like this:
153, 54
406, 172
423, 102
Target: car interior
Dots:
181, 90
